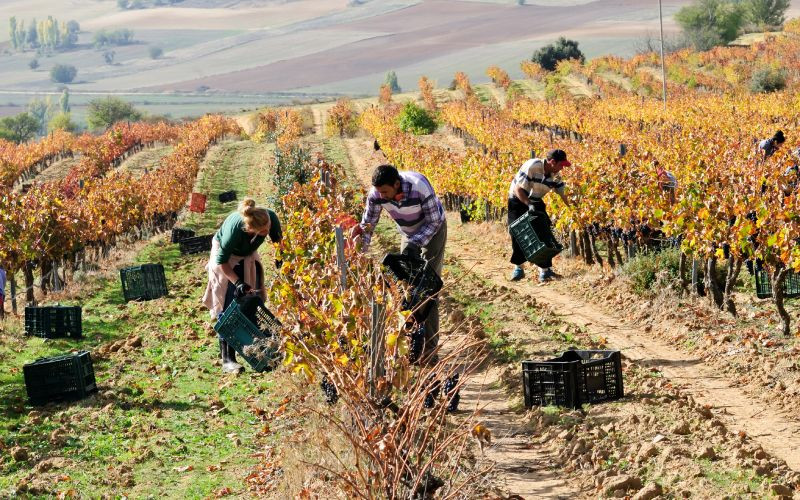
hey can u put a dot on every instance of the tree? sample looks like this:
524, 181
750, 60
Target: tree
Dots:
73, 26
102, 113
63, 101
156, 52
33, 64
19, 128
415, 119
62, 121
391, 81
108, 56
42, 110
708, 23
122, 4
63, 73
549, 55
12, 30
766, 12
32, 38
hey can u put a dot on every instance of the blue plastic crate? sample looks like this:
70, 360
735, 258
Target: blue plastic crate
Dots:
252, 330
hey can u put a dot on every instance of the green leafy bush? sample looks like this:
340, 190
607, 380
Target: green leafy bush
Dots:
644, 269
767, 79
416, 120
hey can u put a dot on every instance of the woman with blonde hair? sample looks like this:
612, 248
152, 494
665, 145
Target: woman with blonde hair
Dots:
234, 267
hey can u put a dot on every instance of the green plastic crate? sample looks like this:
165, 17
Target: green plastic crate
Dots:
791, 285
145, 282
248, 322
536, 251
61, 378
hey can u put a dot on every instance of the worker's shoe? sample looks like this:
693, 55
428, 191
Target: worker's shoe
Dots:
546, 275
228, 354
517, 274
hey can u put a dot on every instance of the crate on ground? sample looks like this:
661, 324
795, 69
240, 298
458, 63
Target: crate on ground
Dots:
227, 196
424, 283
145, 282
535, 250
253, 331
198, 244
52, 322
791, 284
180, 234
573, 379
197, 203
62, 378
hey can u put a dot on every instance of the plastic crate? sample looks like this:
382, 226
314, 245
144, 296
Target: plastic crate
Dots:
53, 321
791, 284
198, 244
535, 250
62, 378
573, 379
248, 322
180, 234
424, 282
145, 282
197, 203
227, 196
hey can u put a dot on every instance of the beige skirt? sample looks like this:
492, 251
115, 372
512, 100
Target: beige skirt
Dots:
214, 297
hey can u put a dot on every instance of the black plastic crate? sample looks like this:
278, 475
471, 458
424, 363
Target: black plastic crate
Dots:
53, 321
227, 196
180, 234
145, 282
424, 282
573, 379
62, 378
198, 244
791, 284
253, 331
536, 251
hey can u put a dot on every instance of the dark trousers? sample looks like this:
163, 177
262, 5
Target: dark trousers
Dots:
541, 225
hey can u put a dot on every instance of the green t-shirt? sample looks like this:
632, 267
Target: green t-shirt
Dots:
233, 240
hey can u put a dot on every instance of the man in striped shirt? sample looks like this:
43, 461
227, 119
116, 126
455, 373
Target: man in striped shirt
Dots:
535, 178
410, 200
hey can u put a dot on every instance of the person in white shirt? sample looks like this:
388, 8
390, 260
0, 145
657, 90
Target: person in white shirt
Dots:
769, 146
535, 178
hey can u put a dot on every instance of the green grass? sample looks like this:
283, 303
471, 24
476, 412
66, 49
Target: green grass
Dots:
155, 410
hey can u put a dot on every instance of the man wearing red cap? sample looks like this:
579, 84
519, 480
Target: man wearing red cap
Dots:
535, 178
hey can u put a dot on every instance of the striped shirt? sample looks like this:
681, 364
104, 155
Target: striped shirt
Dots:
532, 178
419, 214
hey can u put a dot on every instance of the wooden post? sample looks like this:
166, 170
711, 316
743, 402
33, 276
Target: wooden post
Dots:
340, 257
376, 351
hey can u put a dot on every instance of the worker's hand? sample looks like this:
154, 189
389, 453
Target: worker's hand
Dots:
356, 231
242, 289
413, 250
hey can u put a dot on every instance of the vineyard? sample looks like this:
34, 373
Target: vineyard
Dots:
656, 270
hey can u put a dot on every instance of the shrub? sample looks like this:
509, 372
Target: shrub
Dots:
33, 64
416, 120
155, 52
103, 113
62, 121
63, 73
766, 12
708, 23
549, 55
644, 269
767, 79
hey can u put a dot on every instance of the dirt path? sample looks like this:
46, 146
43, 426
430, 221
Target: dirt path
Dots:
524, 468
778, 434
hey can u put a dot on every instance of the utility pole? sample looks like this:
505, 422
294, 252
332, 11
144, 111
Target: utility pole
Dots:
663, 68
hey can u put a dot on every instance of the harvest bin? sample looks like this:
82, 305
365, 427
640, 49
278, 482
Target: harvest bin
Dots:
180, 234
573, 379
62, 378
53, 321
247, 322
422, 278
536, 251
145, 282
198, 244
197, 203
791, 284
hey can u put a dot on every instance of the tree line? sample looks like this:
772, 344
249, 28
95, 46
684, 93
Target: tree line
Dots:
48, 34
